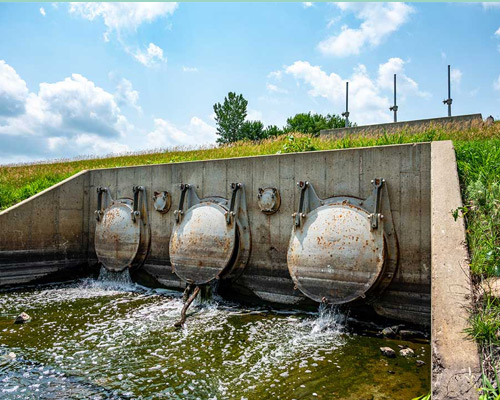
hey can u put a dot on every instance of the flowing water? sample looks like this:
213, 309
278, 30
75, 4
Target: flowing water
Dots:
101, 339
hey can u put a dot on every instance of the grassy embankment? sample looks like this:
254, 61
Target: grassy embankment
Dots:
478, 156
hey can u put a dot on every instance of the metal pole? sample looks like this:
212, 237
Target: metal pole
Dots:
449, 100
394, 108
346, 113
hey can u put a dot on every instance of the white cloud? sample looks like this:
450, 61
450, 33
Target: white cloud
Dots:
64, 119
166, 134
379, 21
307, 4
277, 75
497, 32
189, 69
367, 105
443, 55
152, 56
496, 84
456, 76
126, 95
13, 91
119, 17
275, 89
42, 11
405, 85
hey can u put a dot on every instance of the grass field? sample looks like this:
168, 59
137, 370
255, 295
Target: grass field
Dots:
478, 158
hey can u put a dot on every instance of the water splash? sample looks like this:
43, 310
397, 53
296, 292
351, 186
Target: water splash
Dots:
123, 341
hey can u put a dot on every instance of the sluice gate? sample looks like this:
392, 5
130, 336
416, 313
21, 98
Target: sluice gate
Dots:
341, 227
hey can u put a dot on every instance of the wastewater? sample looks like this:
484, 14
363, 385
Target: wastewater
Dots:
109, 338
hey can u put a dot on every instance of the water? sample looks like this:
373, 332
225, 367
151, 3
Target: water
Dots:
96, 339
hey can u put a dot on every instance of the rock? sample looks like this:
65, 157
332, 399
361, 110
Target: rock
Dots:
491, 286
388, 352
420, 363
8, 356
22, 318
406, 352
388, 332
395, 328
406, 333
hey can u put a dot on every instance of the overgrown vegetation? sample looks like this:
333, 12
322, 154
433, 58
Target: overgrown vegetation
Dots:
478, 160
479, 168
230, 118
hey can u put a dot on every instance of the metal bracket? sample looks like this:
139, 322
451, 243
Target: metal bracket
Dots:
300, 215
375, 217
230, 215
309, 200
99, 212
179, 212
136, 213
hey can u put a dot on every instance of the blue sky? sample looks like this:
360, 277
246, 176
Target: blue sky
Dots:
98, 78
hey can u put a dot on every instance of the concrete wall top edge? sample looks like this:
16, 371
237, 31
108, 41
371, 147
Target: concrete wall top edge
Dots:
405, 124
352, 149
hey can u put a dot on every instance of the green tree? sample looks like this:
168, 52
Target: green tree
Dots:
252, 130
230, 116
272, 131
313, 123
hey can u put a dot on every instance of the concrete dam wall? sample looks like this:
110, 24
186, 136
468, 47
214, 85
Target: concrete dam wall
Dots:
369, 227
52, 235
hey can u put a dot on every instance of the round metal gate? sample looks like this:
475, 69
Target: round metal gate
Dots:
120, 240
203, 244
335, 256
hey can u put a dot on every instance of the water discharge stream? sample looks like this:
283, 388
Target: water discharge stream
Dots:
102, 339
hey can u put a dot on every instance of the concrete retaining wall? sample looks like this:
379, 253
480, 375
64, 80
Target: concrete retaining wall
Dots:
61, 231
460, 121
43, 238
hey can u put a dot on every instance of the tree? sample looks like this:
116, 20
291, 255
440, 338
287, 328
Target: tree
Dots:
313, 123
252, 130
230, 117
272, 131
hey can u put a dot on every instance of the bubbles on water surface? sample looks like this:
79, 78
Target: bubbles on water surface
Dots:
122, 340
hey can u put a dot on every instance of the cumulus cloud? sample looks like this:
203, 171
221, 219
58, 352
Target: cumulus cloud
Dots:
307, 4
152, 56
13, 91
405, 84
120, 17
125, 18
166, 134
42, 11
379, 20
126, 95
69, 117
368, 102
